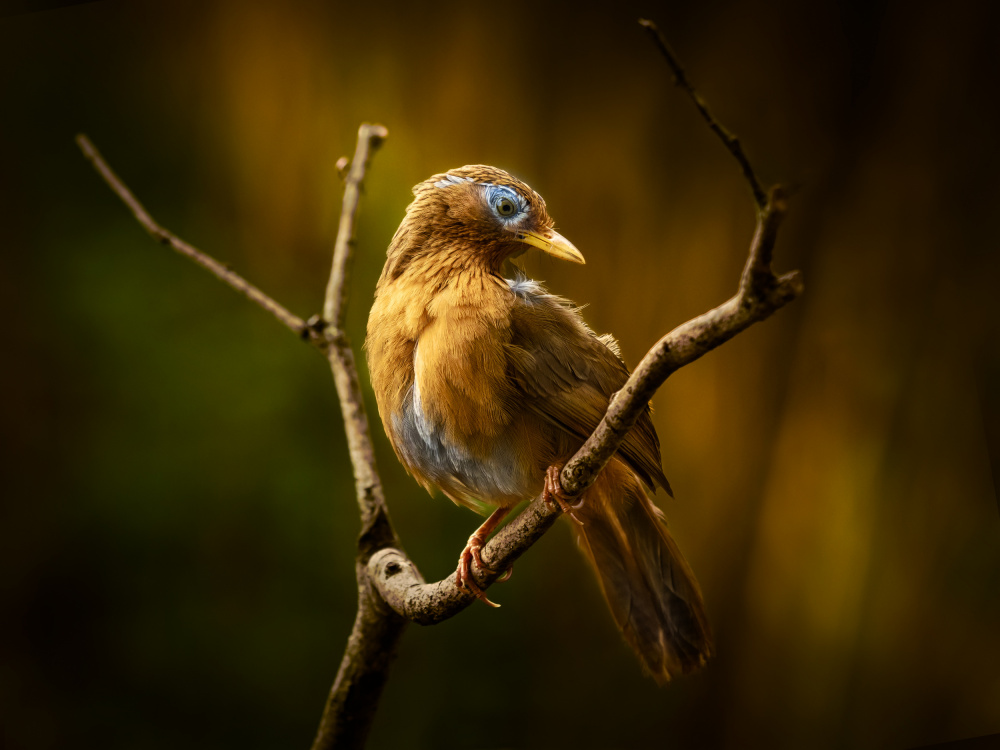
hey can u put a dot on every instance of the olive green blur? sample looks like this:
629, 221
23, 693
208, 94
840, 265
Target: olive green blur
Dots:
178, 519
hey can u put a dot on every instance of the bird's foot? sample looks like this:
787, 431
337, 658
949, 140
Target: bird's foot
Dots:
473, 552
463, 576
555, 494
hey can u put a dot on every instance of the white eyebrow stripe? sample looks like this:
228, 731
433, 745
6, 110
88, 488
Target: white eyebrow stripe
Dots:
451, 179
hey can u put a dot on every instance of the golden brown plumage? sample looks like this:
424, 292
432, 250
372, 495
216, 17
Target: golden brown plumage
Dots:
483, 382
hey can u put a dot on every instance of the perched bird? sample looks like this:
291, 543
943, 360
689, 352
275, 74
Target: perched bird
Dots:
485, 383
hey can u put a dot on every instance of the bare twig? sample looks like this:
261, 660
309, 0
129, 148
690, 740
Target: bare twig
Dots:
758, 278
345, 373
760, 295
370, 137
731, 141
161, 235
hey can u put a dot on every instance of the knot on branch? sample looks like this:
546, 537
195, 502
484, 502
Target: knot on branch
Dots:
758, 281
374, 133
313, 329
317, 330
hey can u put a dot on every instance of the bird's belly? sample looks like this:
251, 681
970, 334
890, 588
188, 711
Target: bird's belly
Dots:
501, 476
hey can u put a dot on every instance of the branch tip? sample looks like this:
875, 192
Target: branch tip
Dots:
375, 133
730, 141
793, 282
220, 270
370, 137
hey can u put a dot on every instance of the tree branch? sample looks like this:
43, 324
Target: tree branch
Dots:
759, 296
370, 137
371, 500
371, 647
391, 591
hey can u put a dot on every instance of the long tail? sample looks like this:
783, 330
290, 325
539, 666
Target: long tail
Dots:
648, 584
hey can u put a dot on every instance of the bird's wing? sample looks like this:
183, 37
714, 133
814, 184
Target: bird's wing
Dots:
566, 374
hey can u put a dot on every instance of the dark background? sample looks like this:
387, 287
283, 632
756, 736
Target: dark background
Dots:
178, 519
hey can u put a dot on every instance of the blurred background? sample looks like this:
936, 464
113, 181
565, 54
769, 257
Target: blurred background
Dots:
178, 521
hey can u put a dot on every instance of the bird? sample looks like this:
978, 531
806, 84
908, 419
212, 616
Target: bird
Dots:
486, 383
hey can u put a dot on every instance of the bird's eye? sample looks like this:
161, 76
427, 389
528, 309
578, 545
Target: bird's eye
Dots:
505, 207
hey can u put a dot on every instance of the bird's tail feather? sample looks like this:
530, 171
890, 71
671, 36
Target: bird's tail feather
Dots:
648, 584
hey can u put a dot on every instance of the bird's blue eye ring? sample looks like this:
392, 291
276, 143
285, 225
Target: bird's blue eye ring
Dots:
505, 207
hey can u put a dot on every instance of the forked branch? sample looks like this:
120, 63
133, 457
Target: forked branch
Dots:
164, 237
391, 590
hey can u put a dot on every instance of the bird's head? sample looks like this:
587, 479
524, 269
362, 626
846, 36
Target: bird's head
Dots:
475, 215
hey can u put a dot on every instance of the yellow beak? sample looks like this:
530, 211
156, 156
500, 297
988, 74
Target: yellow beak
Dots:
553, 243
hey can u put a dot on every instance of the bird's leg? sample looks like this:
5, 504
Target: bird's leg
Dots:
554, 493
473, 553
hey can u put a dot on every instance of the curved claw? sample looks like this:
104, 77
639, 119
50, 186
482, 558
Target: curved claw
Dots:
477, 555
473, 553
475, 547
554, 493
464, 578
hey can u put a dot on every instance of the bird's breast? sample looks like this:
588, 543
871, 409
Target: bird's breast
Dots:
479, 471
439, 359
461, 425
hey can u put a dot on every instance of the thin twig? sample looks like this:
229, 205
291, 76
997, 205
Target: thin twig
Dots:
757, 275
759, 296
371, 500
370, 496
731, 141
370, 137
371, 648
162, 236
